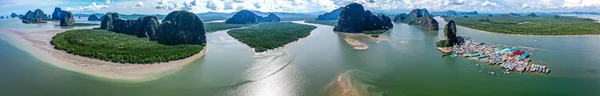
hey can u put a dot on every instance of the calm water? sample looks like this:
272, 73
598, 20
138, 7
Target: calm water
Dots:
406, 65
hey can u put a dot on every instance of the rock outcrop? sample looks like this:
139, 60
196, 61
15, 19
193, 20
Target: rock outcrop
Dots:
243, 17
271, 18
354, 19
351, 19
532, 15
248, 17
514, 14
146, 27
419, 17
67, 19
36, 16
450, 33
181, 27
107, 22
400, 17
93, 18
124, 26
13, 15
58, 13
333, 15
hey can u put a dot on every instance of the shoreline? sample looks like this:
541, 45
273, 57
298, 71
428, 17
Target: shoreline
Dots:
37, 44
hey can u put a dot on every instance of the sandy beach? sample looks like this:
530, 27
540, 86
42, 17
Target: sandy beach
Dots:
37, 43
353, 39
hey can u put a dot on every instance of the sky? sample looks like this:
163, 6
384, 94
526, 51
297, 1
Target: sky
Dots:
299, 6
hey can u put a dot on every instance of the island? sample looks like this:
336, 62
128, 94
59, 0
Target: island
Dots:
36, 16
418, 17
532, 24
267, 36
93, 18
354, 19
141, 41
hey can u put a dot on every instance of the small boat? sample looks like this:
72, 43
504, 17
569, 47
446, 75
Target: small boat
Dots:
453, 56
547, 71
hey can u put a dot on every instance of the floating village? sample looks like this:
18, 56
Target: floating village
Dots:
513, 59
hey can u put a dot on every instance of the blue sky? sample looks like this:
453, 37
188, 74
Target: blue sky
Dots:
201, 6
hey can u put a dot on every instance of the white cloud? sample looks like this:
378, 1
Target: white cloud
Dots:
107, 2
490, 4
140, 4
454, 2
581, 4
93, 7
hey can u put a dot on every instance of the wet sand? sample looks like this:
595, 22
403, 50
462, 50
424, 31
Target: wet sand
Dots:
354, 40
37, 43
340, 86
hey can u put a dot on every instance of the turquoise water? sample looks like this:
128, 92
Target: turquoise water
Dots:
406, 65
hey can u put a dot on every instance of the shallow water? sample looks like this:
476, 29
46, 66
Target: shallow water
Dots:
406, 65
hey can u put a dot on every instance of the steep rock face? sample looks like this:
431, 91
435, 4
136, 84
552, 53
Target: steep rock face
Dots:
419, 17
107, 22
450, 33
351, 19
124, 26
333, 15
271, 18
400, 17
182, 27
146, 27
354, 19
36, 16
386, 22
67, 19
13, 15
58, 13
243, 17
93, 18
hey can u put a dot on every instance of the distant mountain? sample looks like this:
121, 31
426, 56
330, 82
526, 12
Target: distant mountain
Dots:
249, 17
419, 17
333, 15
453, 13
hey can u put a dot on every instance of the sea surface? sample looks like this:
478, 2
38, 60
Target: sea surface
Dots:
408, 64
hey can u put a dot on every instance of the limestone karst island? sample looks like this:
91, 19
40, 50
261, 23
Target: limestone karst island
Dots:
299, 47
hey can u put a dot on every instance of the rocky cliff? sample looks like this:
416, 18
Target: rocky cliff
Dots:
67, 19
13, 15
58, 14
354, 19
243, 17
271, 18
333, 15
93, 18
146, 27
450, 33
36, 16
419, 17
181, 27
107, 21
248, 17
